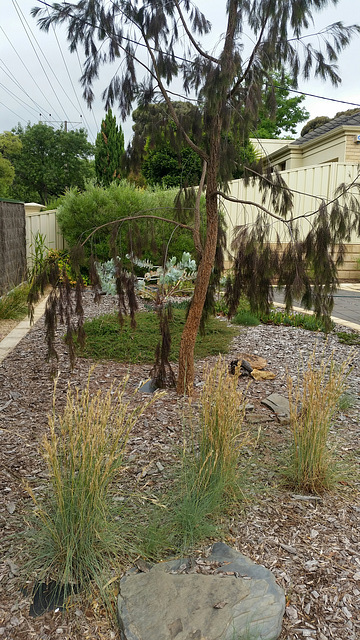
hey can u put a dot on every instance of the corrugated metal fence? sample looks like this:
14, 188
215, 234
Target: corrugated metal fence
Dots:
319, 180
43, 222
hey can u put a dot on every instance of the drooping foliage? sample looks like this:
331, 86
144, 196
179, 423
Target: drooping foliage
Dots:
109, 151
227, 84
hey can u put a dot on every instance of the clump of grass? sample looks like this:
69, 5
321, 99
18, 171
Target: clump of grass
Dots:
347, 401
351, 338
303, 320
13, 305
245, 318
210, 476
314, 401
75, 535
105, 339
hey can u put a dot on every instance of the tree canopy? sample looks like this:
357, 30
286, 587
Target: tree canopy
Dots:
50, 161
109, 151
10, 147
226, 84
280, 112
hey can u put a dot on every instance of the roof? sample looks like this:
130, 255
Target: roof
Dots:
341, 121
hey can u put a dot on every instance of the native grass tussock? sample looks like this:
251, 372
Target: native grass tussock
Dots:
210, 479
314, 401
75, 534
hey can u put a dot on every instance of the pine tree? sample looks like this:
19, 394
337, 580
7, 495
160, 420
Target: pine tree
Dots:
109, 151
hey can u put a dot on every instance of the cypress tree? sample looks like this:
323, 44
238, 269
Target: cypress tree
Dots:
109, 151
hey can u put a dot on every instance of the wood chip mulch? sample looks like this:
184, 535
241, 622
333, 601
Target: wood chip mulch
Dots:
311, 544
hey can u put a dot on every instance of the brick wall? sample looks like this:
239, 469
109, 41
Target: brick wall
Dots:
12, 244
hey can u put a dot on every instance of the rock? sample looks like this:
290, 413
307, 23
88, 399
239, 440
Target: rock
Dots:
148, 387
256, 362
237, 599
262, 375
278, 404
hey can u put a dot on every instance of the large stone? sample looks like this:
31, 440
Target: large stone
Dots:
238, 600
278, 404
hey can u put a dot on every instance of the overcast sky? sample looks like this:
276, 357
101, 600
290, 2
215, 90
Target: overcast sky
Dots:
38, 75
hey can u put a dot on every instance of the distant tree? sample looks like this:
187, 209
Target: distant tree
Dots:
158, 151
314, 124
227, 86
279, 114
109, 151
320, 120
10, 146
50, 161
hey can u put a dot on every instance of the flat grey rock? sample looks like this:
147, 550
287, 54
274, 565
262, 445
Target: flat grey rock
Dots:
238, 599
278, 404
148, 387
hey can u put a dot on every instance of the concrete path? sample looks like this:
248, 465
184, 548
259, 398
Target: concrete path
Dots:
13, 338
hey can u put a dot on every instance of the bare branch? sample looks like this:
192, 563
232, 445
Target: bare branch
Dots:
140, 217
189, 34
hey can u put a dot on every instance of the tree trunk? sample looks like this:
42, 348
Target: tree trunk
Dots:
186, 356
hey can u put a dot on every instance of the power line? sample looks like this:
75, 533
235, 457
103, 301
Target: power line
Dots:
16, 114
312, 95
30, 74
71, 82
18, 100
18, 11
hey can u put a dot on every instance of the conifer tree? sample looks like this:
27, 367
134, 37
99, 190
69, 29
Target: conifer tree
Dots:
109, 150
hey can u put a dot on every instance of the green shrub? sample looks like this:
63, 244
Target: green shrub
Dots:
246, 318
81, 213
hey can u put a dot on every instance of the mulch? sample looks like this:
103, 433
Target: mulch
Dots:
311, 544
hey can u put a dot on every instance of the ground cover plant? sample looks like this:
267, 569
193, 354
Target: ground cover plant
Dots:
315, 398
350, 338
303, 320
105, 339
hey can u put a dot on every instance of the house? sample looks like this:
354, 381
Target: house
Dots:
334, 141
313, 167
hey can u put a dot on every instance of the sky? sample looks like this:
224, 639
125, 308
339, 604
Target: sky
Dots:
39, 78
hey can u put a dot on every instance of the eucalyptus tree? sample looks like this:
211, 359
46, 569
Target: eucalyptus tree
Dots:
157, 42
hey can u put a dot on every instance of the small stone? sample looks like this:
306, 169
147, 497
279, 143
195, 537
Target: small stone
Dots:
159, 466
315, 594
11, 507
291, 613
356, 575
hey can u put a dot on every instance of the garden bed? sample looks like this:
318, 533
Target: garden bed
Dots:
312, 545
